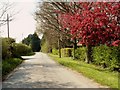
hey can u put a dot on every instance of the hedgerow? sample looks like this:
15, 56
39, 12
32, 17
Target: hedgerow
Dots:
104, 56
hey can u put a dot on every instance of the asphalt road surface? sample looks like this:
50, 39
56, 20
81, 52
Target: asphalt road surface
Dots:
40, 71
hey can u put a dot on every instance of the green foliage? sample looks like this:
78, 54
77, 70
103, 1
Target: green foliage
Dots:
27, 40
10, 49
107, 56
35, 43
80, 53
54, 51
44, 47
21, 49
66, 52
6, 47
98, 74
9, 64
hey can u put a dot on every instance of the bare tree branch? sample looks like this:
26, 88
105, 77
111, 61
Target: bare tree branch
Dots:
6, 8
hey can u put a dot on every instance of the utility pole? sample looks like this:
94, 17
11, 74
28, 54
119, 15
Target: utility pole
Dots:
9, 42
8, 24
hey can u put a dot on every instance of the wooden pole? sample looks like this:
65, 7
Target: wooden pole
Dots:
8, 24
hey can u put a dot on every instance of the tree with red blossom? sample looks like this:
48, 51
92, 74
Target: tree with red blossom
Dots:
92, 23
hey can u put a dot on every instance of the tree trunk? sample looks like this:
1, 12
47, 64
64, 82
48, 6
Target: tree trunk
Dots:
74, 48
89, 54
73, 51
59, 47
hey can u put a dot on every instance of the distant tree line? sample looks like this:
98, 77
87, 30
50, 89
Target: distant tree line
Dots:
33, 41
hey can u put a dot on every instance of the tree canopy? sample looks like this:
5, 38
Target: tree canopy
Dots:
34, 41
92, 23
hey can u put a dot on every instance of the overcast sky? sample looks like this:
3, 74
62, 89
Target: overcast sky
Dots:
24, 23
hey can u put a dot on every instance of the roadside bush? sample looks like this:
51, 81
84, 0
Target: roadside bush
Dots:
80, 53
6, 47
9, 64
54, 51
107, 57
66, 52
21, 49
115, 58
104, 56
101, 55
10, 49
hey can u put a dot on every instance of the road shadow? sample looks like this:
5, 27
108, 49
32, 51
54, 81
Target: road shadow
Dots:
27, 58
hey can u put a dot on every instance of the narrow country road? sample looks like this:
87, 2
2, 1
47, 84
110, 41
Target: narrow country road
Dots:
39, 71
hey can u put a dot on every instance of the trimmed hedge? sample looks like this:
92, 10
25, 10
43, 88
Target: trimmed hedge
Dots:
21, 50
107, 57
80, 53
54, 51
66, 52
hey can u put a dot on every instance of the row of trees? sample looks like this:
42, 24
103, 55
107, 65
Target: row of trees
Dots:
47, 23
87, 23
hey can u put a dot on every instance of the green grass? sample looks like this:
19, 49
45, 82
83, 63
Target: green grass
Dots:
100, 75
9, 65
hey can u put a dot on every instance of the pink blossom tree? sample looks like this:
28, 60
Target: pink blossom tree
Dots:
92, 23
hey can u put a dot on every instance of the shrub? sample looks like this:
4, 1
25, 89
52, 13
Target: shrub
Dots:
11, 49
106, 56
4, 49
115, 58
6, 53
21, 49
66, 52
80, 53
54, 51
100, 55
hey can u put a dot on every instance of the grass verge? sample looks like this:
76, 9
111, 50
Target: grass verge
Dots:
100, 75
9, 65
